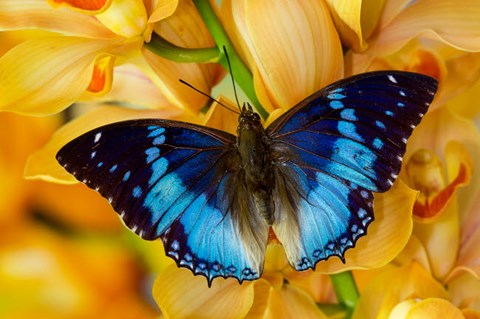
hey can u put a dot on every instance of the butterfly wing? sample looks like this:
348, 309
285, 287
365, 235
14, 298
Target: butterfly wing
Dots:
173, 181
333, 150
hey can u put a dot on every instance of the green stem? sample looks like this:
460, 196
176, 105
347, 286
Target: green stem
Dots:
165, 49
333, 310
242, 74
345, 290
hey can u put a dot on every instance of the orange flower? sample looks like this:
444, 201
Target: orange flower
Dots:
45, 75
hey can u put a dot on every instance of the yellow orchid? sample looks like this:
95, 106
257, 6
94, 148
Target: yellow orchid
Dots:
45, 75
380, 28
292, 49
439, 265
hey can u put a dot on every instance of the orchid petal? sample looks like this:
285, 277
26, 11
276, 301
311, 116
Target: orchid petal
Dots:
262, 290
355, 20
291, 302
221, 118
131, 87
235, 11
379, 299
436, 129
414, 251
43, 165
401, 310
275, 260
127, 18
45, 76
175, 288
185, 29
387, 235
102, 75
391, 9
202, 77
465, 104
441, 240
317, 285
164, 9
464, 290
86, 6
34, 14
458, 26
469, 254
413, 57
347, 18
289, 42
425, 172
428, 308
463, 72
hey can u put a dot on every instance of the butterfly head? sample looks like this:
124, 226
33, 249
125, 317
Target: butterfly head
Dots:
249, 119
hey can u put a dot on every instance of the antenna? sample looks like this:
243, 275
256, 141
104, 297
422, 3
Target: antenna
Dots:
231, 74
205, 94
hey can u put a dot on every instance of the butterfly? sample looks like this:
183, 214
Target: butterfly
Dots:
213, 198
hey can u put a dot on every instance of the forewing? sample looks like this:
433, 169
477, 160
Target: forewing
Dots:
169, 180
333, 150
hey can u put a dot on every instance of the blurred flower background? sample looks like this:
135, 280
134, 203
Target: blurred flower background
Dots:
69, 66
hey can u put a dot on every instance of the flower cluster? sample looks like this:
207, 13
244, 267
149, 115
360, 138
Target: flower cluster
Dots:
116, 60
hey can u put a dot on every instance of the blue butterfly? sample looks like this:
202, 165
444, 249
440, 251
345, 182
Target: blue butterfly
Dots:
213, 197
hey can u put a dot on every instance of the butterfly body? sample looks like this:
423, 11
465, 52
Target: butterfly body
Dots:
256, 163
212, 198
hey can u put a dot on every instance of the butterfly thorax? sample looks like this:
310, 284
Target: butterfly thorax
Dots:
253, 148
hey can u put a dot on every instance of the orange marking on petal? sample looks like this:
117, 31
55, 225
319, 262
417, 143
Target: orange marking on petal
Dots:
432, 207
92, 5
101, 76
427, 63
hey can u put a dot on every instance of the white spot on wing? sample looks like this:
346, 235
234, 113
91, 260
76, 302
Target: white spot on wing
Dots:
175, 245
97, 137
392, 79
